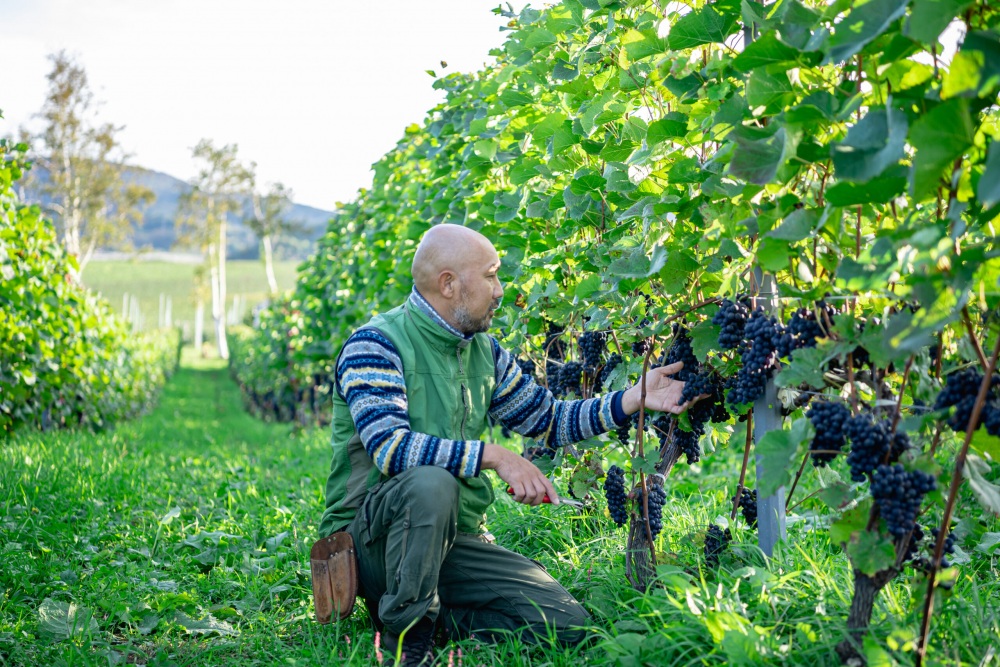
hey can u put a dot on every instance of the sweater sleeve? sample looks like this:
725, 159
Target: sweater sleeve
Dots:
370, 378
531, 410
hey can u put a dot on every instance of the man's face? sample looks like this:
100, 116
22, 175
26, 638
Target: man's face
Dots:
479, 293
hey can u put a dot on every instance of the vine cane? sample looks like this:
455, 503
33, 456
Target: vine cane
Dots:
956, 481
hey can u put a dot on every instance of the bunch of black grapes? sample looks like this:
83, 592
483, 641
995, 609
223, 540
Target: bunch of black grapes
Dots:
681, 350
804, 327
592, 345
748, 506
898, 493
960, 390
828, 419
641, 348
539, 453
716, 541
757, 353
923, 563
872, 443
657, 496
623, 431
712, 408
610, 365
949, 546
527, 367
570, 376
732, 318
614, 491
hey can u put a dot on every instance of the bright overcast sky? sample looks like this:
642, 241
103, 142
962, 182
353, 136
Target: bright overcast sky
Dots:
313, 91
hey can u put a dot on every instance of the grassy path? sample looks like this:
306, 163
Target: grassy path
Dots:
179, 534
181, 539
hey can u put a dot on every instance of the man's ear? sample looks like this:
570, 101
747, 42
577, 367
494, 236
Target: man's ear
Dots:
447, 284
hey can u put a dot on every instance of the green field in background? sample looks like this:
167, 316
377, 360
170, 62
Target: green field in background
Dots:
147, 280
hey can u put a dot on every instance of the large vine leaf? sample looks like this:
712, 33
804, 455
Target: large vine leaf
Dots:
871, 146
939, 137
862, 25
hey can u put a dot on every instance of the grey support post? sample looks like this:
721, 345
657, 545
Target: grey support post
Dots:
767, 417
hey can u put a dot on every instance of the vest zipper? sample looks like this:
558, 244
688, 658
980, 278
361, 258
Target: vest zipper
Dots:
465, 403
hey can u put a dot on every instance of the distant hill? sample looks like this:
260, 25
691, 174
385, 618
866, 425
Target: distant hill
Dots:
158, 232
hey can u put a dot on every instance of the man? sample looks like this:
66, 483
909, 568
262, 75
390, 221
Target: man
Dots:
415, 388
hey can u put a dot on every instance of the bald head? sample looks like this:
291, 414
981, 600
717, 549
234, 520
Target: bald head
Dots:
451, 248
455, 269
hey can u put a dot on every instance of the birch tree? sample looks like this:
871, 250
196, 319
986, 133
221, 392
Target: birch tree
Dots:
269, 220
216, 194
82, 183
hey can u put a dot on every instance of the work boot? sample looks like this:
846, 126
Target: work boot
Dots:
418, 645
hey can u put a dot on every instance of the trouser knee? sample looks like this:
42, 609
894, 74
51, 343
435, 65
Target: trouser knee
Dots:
428, 491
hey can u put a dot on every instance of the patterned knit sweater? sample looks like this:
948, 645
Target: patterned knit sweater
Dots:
370, 379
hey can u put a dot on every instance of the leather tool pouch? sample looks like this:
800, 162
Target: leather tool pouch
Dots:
334, 568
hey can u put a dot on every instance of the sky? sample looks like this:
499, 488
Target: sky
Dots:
313, 91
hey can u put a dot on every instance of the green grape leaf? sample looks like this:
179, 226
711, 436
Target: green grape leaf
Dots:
929, 18
871, 552
862, 25
873, 145
671, 126
766, 50
939, 137
986, 492
776, 451
850, 522
806, 367
704, 26
879, 190
796, 226
757, 160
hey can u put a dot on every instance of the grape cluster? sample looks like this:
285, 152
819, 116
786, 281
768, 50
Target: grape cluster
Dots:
570, 376
804, 327
872, 443
949, 546
610, 365
527, 367
757, 354
696, 385
623, 433
681, 350
614, 491
732, 318
555, 348
687, 442
716, 541
898, 494
828, 419
592, 345
748, 506
960, 390
657, 496
641, 348
537, 453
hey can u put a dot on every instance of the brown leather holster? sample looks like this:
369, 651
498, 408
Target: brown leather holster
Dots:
334, 566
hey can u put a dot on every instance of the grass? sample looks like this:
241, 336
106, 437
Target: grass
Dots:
182, 539
147, 280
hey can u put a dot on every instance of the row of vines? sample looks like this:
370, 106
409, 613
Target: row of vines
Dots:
65, 359
794, 197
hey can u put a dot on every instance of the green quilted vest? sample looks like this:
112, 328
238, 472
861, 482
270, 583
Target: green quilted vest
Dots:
449, 386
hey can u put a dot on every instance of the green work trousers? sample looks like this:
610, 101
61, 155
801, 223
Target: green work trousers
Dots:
414, 563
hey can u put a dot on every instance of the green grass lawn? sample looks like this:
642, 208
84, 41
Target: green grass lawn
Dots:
182, 538
147, 280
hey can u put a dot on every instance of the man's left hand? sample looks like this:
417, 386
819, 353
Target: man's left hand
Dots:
663, 394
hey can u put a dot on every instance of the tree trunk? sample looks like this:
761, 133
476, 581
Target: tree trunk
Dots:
640, 571
269, 264
199, 327
860, 617
220, 320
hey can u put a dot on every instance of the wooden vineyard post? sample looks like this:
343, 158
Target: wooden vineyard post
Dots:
767, 417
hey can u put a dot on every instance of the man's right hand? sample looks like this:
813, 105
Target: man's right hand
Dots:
529, 484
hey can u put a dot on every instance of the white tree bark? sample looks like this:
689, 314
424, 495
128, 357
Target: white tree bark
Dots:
272, 283
220, 317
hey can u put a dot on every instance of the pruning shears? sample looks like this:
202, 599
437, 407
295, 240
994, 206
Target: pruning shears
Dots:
546, 499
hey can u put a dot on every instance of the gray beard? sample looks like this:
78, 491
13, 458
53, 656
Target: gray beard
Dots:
467, 324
